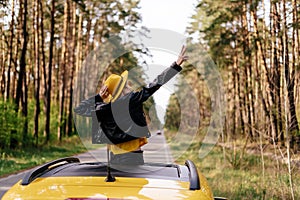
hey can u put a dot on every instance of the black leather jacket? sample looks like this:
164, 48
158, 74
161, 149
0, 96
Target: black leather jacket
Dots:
124, 120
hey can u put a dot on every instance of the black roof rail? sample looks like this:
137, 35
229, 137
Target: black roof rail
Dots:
30, 176
194, 176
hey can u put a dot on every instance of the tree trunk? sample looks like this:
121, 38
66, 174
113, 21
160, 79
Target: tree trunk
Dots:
2, 63
44, 68
49, 78
17, 45
276, 44
79, 44
63, 73
12, 28
25, 108
37, 74
289, 78
72, 66
87, 38
295, 45
234, 83
271, 75
247, 66
296, 50
241, 117
22, 72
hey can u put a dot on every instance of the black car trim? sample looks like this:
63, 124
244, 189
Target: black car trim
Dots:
72, 167
193, 175
32, 175
167, 172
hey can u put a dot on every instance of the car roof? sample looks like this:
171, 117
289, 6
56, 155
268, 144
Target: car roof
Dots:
169, 172
71, 167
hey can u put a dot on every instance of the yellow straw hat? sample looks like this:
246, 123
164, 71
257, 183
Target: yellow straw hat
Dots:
115, 84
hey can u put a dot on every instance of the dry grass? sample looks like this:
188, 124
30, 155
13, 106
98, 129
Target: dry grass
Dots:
246, 179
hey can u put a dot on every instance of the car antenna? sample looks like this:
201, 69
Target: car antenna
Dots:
109, 177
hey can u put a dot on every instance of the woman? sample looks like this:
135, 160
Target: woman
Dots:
120, 114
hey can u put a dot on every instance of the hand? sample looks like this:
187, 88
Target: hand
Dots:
181, 58
104, 92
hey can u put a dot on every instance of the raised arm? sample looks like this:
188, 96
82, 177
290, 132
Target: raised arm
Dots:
162, 79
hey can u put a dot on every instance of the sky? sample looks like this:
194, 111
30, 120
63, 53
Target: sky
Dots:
173, 15
167, 14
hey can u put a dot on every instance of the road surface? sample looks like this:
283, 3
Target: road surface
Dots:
156, 151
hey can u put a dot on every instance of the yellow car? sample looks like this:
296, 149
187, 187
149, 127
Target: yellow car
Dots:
69, 179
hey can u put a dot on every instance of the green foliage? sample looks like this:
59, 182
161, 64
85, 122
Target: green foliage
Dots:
214, 21
113, 16
151, 115
15, 160
172, 117
100, 20
11, 126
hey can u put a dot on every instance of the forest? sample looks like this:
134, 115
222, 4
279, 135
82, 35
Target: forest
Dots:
43, 45
255, 45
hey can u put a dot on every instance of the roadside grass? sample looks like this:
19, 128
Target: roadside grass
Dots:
247, 180
13, 161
